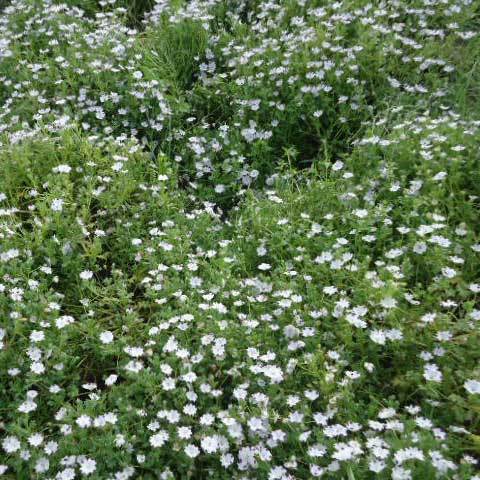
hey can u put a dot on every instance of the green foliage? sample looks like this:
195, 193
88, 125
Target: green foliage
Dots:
172, 54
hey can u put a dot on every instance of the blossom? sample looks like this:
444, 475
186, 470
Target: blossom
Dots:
11, 444
83, 421
274, 373
86, 275
35, 440
65, 474
159, 439
57, 205
42, 465
106, 337
184, 432
472, 386
63, 321
432, 373
87, 466
378, 336
209, 444
111, 379
27, 406
37, 368
191, 450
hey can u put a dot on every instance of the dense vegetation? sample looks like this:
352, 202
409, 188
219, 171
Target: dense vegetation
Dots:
239, 239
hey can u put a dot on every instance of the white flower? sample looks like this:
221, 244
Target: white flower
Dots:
168, 384
88, 466
35, 440
210, 444
57, 205
51, 447
66, 474
440, 176
449, 272
331, 290
338, 165
134, 352
42, 465
361, 213
347, 451
11, 444
86, 275
274, 373
405, 454
111, 379
37, 336
191, 450
432, 373
63, 321
472, 387
84, 421
399, 473
184, 432
317, 450
159, 439
37, 367
388, 303
474, 287
277, 473
27, 406
316, 471
106, 337
378, 336
377, 466
134, 366
62, 169
189, 377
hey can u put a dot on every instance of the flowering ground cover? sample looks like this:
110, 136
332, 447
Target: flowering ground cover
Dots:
239, 239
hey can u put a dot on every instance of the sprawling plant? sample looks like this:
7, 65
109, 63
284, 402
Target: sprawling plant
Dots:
239, 239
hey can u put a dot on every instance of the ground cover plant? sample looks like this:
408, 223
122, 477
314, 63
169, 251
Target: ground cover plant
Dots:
239, 239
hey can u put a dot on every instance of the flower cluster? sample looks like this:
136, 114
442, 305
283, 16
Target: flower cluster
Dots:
239, 239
